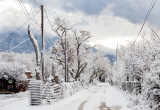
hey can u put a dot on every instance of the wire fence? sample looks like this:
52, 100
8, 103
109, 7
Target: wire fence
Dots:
134, 87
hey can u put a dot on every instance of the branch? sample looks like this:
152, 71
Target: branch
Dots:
82, 68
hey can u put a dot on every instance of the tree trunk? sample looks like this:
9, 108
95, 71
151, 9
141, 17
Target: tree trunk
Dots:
35, 45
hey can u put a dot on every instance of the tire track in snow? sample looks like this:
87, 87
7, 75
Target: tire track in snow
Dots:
102, 100
84, 102
82, 105
9, 101
104, 107
75, 102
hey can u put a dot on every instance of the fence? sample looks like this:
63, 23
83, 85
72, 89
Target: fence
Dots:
53, 92
130, 86
35, 88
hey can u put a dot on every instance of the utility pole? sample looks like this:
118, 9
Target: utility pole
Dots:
42, 52
116, 56
66, 67
117, 52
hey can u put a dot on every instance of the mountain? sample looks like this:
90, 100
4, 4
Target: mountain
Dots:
16, 42
111, 57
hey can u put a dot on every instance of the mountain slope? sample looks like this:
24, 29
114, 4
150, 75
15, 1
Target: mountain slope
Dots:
13, 43
9, 43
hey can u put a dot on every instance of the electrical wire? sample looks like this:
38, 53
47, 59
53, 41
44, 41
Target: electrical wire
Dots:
48, 19
139, 17
149, 12
27, 14
29, 18
25, 10
20, 26
18, 45
153, 31
36, 3
32, 12
48, 38
22, 8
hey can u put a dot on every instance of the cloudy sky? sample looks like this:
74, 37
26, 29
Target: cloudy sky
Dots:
109, 21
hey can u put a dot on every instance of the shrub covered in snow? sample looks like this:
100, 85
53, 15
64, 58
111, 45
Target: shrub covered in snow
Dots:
14, 70
141, 62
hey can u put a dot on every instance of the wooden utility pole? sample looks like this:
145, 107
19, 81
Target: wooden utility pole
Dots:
66, 67
117, 52
116, 56
42, 52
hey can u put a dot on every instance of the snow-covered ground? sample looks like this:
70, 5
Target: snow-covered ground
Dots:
98, 97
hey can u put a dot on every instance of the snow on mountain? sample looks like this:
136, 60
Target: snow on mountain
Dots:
8, 43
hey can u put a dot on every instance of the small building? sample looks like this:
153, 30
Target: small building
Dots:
28, 74
10, 84
13, 79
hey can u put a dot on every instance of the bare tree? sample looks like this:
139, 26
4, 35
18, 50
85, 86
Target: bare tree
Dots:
73, 41
99, 65
80, 38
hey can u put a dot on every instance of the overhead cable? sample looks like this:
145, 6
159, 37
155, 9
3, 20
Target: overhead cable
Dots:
149, 12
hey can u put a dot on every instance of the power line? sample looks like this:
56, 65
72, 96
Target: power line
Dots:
26, 13
36, 3
50, 26
32, 11
21, 26
139, 17
22, 8
18, 45
25, 10
29, 18
149, 12
49, 41
46, 15
153, 31
48, 37
48, 19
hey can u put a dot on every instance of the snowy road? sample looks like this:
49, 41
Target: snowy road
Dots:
7, 99
99, 97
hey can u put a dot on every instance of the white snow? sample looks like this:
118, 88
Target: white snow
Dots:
115, 97
86, 99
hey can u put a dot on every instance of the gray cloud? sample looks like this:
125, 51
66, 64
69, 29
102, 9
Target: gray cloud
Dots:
99, 17
134, 9
87, 6
128, 9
